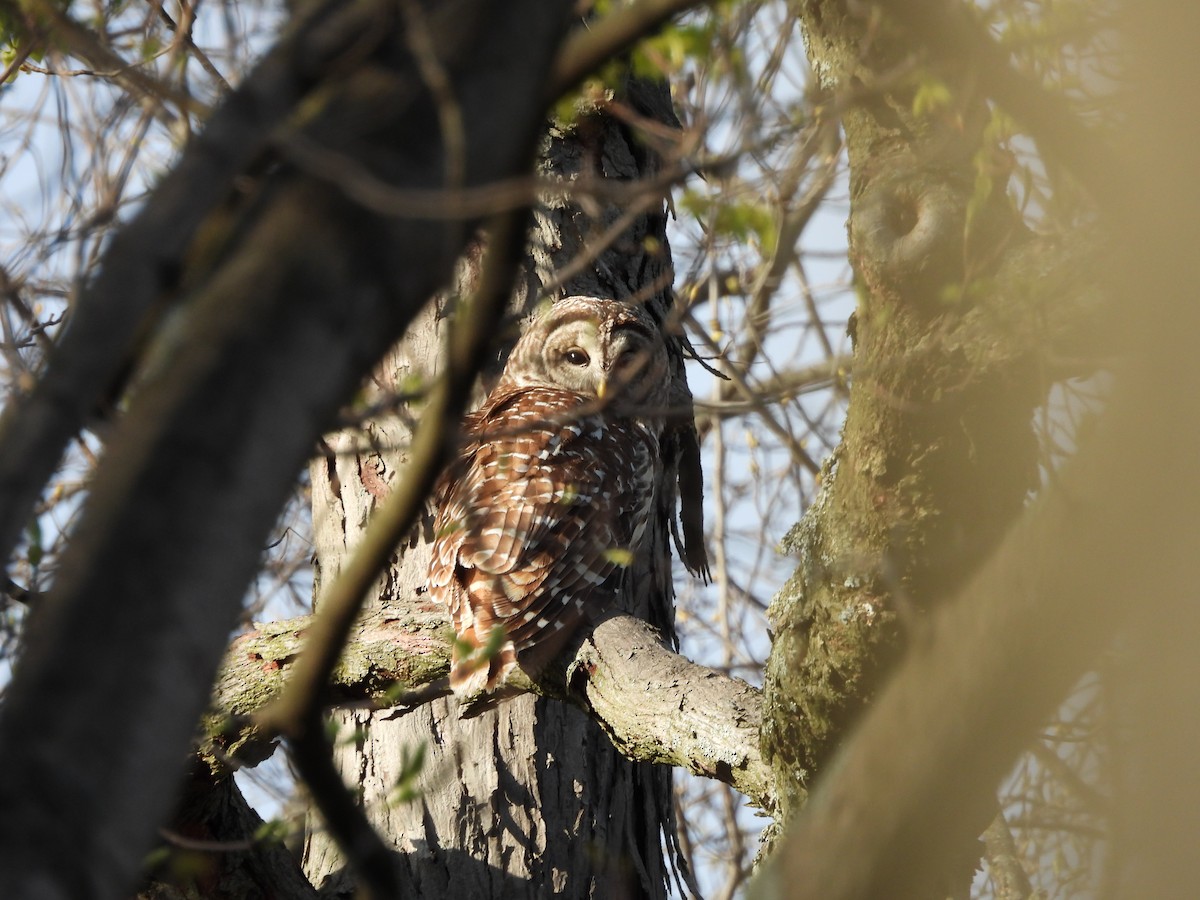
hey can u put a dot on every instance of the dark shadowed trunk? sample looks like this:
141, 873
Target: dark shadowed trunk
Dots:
265, 292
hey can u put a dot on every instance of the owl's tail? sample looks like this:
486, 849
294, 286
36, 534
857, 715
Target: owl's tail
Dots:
480, 665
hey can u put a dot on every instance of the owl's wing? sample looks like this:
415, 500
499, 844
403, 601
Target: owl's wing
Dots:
541, 505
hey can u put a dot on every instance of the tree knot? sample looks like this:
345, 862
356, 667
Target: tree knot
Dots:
907, 232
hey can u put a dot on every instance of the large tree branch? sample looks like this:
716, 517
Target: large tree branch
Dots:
659, 706
964, 320
144, 265
293, 294
656, 706
924, 767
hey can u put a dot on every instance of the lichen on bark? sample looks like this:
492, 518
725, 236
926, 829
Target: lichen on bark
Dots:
938, 451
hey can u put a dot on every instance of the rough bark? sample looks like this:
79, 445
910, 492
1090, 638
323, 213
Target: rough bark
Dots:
936, 462
290, 293
530, 797
938, 451
1107, 549
654, 705
218, 847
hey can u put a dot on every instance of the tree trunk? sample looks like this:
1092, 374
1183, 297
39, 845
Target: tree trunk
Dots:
938, 450
528, 798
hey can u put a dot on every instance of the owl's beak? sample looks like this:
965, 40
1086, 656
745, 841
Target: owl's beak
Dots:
602, 387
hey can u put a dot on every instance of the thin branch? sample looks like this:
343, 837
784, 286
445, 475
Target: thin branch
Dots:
424, 51
86, 45
1094, 801
312, 752
21, 54
752, 397
16, 593
784, 387
450, 203
824, 138
185, 35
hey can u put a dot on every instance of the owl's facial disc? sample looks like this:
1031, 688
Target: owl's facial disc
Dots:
631, 349
572, 356
593, 347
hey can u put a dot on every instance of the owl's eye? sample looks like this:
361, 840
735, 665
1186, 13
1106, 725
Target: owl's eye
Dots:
628, 358
576, 357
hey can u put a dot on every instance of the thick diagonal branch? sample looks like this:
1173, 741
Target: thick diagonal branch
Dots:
292, 294
655, 705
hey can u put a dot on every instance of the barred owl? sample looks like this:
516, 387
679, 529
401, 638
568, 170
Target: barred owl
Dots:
554, 489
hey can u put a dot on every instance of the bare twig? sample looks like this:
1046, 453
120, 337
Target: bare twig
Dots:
799, 454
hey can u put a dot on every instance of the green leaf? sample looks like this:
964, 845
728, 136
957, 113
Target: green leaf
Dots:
412, 763
156, 857
694, 203
745, 219
931, 96
36, 548
619, 555
673, 48
980, 194
273, 831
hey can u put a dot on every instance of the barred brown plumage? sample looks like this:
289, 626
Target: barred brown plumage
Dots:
552, 493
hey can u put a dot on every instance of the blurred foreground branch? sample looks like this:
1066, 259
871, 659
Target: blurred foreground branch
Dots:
1107, 549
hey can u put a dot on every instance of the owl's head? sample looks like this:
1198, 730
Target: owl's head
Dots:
598, 348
